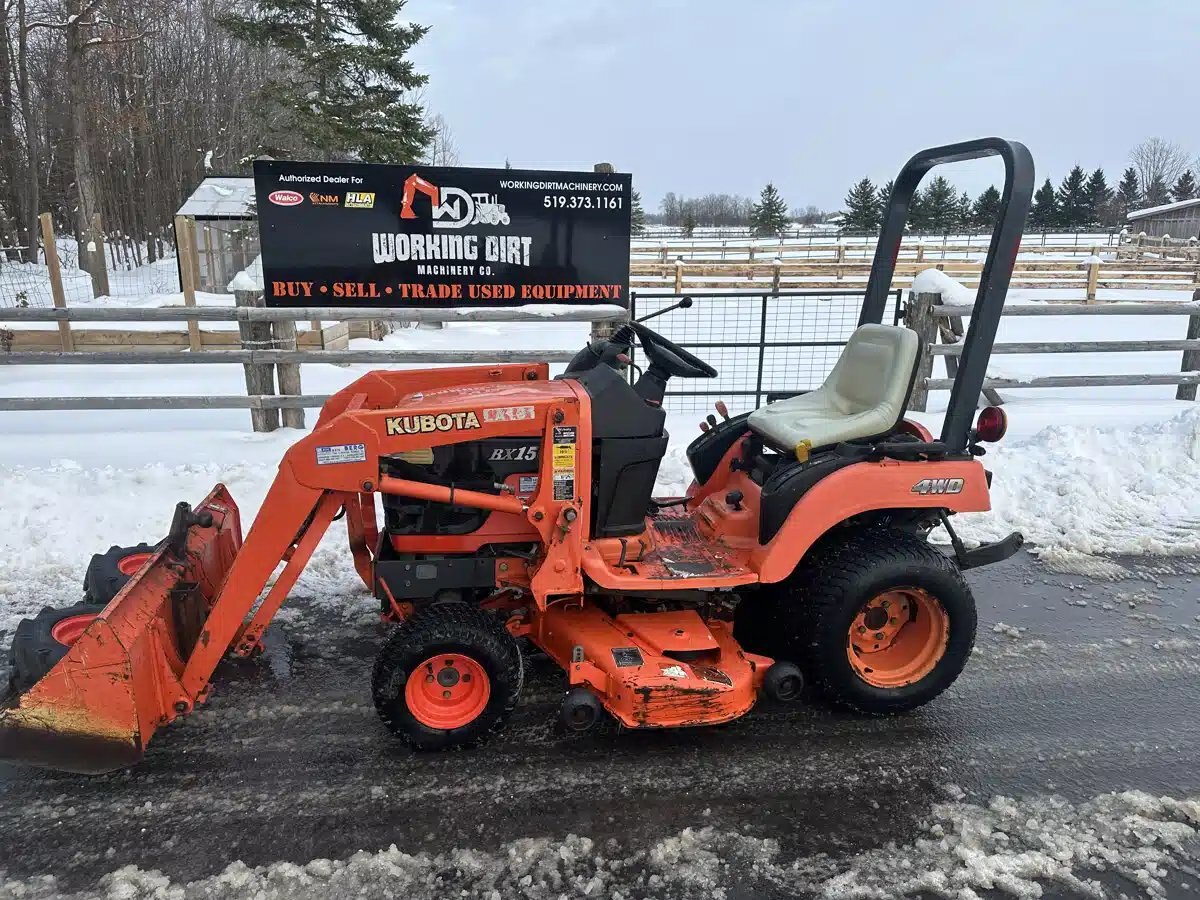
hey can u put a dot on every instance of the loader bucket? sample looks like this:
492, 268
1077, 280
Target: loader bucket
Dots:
121, 680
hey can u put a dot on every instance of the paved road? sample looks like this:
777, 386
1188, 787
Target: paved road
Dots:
1080, 687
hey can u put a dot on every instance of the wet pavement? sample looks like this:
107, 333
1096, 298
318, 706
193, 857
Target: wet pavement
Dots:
1080, 686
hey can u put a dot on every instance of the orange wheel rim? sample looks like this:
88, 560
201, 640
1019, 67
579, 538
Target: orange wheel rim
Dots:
68, 631
898, 637
447, 691
131, 564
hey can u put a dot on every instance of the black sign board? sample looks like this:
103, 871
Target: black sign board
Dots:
353, 234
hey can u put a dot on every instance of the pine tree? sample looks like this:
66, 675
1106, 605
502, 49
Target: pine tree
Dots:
770, 214
1185, 187
689, 223
1099, 198
1044, 214
940, 205
1156, 192
986, 210
1071, 201
964, 210
863, 210
918, 212
637, 215
347, 90
1129, 192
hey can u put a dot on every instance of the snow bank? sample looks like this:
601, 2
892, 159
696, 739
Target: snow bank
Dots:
1095, 490
965, 851
249, 279
935, 281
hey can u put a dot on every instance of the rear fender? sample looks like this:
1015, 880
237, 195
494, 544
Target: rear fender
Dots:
955, 485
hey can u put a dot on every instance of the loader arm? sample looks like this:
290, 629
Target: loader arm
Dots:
149, 656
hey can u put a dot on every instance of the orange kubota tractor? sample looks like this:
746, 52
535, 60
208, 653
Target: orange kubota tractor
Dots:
518, 506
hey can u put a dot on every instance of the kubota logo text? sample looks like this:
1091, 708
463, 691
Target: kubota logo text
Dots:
285, 198
452, 207
439, 422
938, 486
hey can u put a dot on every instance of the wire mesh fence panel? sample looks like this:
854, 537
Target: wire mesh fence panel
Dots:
762, 345
23, 284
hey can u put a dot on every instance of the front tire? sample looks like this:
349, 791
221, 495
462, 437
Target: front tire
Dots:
883, 621
39, 643
449, 676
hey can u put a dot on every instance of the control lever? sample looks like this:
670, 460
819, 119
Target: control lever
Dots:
684, 303
723, 410
711, 420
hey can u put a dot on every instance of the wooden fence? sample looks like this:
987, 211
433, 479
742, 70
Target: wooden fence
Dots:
1087, 276
936, 321
269, 352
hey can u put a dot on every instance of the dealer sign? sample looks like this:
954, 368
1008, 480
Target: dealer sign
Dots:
353, 234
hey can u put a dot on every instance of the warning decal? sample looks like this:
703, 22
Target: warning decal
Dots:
563, 460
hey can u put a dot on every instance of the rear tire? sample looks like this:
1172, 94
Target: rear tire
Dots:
449, 676
108, 572
39, 643
882, 621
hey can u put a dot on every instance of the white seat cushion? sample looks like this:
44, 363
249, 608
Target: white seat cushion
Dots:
863, 396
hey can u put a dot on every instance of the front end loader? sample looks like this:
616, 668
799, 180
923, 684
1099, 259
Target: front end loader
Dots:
518, 506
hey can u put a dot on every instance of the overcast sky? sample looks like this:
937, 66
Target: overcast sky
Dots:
694, 96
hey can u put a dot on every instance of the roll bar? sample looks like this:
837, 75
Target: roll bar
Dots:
993, 281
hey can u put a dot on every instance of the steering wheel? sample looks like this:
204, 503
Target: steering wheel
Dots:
670, 357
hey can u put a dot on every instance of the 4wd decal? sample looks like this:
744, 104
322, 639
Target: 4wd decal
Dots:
938, 486
455, 421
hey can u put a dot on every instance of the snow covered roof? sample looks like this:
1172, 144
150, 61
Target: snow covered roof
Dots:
220, 197
1155, 210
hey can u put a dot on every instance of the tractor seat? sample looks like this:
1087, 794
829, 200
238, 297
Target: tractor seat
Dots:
864, 396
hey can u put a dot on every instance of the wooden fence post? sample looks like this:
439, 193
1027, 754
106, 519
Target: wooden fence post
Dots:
950, 330
99, 263
288, 374
918, 316
777, 267
1093, 274
1191, 358
185, 250
260, 379
841, 258
679, 275
50, 249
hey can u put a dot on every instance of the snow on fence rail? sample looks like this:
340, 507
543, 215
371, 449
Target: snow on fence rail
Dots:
928, 316
261, 327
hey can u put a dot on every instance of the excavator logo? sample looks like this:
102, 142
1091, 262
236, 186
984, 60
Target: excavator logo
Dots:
452, 207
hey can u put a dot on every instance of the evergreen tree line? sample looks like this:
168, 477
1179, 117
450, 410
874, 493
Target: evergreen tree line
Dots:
1080, 201
120, 107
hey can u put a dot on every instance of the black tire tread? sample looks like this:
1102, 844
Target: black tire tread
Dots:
103, 580
34, 652
826, 582
440, 624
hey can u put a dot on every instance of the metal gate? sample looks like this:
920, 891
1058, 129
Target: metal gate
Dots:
764, 345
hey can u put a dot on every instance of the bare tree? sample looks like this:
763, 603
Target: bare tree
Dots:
1160, 160
443, 151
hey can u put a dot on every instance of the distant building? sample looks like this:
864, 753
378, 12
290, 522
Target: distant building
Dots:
1180, 220
226, 229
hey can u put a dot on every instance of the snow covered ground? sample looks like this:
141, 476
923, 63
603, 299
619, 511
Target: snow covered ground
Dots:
965, 851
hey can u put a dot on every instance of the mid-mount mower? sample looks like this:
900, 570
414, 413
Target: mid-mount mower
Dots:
518, 506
